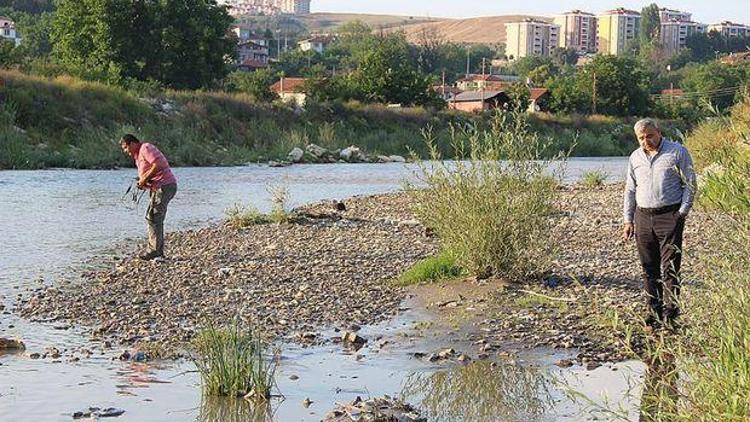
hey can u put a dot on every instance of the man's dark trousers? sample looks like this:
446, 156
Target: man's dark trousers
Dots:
658, 234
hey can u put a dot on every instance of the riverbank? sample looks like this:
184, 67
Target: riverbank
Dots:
69, 123
335, 268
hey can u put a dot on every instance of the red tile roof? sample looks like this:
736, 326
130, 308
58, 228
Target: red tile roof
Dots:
290, 85
537, 93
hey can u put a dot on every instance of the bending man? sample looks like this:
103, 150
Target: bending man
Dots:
659, 192
155, 175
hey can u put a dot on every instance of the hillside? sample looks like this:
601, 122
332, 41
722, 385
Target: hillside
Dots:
327, 22
486, 30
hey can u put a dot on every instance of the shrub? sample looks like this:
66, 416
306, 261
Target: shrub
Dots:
240, 217
595, 178
434, 268
492, 216
232, 362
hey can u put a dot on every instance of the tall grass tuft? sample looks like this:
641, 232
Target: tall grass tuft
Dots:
491, 207
233, 362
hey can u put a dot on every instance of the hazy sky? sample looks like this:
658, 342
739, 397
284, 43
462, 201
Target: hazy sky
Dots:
703, 11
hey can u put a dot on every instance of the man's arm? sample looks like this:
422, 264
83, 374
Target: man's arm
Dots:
629, 203
687, 174
143, 180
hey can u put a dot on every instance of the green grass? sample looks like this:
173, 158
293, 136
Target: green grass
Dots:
434, 268
593, 179
233, 362
73, 123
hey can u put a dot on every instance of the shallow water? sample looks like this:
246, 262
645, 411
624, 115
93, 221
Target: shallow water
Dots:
52, 222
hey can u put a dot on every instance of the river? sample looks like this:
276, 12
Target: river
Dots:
53, 222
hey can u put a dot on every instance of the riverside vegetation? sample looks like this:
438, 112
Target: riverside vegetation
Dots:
68, 122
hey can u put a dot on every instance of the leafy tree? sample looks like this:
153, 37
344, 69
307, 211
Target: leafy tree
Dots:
621, 88
29, 6
8, 53
35, 31
716, 83
181, 43
256, 84
564, 56
386, 76
650, 29
523, 66
296, 62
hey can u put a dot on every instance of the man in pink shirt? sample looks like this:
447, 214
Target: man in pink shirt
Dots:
155, 175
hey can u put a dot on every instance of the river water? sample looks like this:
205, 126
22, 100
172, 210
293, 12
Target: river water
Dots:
54, 221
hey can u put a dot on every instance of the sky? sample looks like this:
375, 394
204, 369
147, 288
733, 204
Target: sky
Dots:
703, 11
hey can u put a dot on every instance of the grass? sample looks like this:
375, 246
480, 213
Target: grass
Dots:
68, 122
241, 217
435, 268
232, 362
593, 179
492, 217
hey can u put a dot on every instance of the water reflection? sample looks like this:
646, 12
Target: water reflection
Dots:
230, 409
480, 391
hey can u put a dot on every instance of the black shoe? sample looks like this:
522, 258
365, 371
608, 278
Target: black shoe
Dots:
148, 256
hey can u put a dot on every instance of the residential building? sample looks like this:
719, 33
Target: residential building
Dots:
674, 34
477, 101
8, 30
616, 30
295, 7
730, 29
669, 15
291, 90
267, 7
475, 82
252, 56
244, 33
318, 43
446, 92
577, 30
530, 37
539, 99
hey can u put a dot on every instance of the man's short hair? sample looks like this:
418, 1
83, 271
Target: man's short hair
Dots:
646, 123
129, 139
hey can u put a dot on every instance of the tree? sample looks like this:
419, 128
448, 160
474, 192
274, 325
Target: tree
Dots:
8, 53
650, 29
715, 83
386, 76
256, 84
564, 56
181, 43
29, 6
621, 88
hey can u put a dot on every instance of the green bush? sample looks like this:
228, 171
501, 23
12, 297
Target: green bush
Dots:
232, 362
439, 267
595, 178
492, 216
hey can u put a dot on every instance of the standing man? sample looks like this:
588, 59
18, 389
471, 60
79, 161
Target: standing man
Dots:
659, 192
155, 175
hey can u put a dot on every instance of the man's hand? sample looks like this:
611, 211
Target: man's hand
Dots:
628, 231
142, 182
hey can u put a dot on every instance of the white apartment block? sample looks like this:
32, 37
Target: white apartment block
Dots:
616, 29
577, 30
675, 33
669, 15
530, 37
730, 29
295, 7
267, 7
8, 30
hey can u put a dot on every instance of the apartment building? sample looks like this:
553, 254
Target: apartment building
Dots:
669, 15
267, 7
730, 29
294, 7
577, 30
8, 30
616, 30
674, 34
530, 37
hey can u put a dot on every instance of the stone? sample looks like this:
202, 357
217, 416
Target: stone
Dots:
564, 363
591, 365
317, 152
307, 402
352, 338
295, 155
352, 154
396, 159
7, 344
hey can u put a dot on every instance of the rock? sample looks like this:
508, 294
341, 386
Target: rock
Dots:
352, 338
278, 164
124, 356
95, 412
591, 365
564, 363
35, 356
307, 402
12, 345
295, 155
352, 154
317, 152
225, 271
293, 377
463, 358
396, 159
339, 206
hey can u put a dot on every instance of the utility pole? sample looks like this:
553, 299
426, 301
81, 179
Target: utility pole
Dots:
484, 81
468, 60
594, 96
443, 85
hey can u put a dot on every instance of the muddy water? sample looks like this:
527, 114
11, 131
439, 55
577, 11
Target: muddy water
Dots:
52, 222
